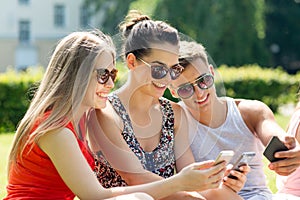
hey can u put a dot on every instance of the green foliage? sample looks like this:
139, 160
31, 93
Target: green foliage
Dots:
232, 31
15, 95
274, 87
282, 33
114, 12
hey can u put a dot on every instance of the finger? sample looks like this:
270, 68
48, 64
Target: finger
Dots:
216, 177
285, 170
203, 165
245, 169
285, 163
219, 168
287, 154
289, 142
232, 187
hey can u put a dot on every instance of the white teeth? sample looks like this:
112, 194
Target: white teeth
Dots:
201, 100
160, 85
102, 95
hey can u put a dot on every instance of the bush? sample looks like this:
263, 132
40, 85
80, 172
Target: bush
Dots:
272, 86
15, 95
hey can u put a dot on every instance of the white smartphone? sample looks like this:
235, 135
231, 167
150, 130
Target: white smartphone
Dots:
244, 159
225, 155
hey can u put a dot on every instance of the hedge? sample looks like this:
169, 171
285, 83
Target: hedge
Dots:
272, 86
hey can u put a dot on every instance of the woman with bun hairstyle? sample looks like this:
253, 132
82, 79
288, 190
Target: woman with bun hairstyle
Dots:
50, 157
145, 134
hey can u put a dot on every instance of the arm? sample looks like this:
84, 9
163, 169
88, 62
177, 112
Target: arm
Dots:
116, 150
76, 172
183, 153
264, 126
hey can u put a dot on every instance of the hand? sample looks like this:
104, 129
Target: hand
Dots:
237, 184
201, 176
292, 157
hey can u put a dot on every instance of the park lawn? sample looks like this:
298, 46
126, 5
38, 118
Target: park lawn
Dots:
5, 143
6, 140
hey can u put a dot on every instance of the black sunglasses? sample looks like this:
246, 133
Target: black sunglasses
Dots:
104, 74
204, 82
158, 71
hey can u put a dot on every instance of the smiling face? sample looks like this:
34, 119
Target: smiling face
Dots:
162, 61
96, 94
201, 100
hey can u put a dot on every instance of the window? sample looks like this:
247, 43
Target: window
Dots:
24, 2
24, 31
59, 15
84, 17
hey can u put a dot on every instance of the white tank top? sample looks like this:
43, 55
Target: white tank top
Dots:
233, 134
291, 184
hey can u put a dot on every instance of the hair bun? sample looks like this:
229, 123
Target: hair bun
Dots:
132, 18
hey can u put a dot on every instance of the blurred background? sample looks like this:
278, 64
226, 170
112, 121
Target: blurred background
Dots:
235, 33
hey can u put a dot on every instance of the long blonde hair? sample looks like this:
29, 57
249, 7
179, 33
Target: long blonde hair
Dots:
62, 88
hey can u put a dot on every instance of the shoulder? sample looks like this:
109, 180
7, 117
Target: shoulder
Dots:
247, 106
58, 138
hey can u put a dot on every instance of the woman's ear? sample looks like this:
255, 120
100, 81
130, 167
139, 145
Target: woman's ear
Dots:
131, 61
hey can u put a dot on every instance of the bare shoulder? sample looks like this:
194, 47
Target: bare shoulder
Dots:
254, 107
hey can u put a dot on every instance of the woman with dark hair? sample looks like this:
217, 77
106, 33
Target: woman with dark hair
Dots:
146, 137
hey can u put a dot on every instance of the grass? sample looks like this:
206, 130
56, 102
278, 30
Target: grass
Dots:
5, 143
6, 140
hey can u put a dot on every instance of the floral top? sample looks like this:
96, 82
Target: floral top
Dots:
106, 174
161, 160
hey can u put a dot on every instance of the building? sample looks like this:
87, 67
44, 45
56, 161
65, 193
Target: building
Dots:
30, 29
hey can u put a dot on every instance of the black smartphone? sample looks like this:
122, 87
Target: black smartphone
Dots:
244, 159
274, 146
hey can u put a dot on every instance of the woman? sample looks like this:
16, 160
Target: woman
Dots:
50, 158
148, 130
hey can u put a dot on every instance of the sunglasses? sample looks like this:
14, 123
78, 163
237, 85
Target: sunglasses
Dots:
104, 74
204, 82
158, 71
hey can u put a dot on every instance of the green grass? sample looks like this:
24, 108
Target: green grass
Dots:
6, 140
5, 143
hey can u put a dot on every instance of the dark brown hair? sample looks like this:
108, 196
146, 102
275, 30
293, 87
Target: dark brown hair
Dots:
139, 32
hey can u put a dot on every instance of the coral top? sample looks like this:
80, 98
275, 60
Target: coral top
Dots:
37, 178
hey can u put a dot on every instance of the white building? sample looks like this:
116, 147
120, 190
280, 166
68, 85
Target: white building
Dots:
30, 29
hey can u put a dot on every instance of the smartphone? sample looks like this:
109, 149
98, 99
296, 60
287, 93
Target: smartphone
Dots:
225, 155
244, 159
274, 146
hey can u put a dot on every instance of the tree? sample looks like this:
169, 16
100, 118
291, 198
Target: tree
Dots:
283, 38
114, 12
232, 31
